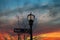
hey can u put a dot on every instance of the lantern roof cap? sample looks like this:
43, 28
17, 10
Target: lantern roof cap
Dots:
30, 14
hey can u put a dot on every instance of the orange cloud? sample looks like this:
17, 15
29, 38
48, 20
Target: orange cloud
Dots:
50, 36
6, 36
47, 36
53, 34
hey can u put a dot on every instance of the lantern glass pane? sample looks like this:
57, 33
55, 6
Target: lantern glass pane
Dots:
28, 17
32, 17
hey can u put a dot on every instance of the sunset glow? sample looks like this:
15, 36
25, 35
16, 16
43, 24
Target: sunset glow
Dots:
53, 34
48, 36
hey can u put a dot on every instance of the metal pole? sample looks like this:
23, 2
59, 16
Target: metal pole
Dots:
31, 24
31, 32
24, 37
19, 37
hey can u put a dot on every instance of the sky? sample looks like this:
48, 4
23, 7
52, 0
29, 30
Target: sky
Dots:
47, 15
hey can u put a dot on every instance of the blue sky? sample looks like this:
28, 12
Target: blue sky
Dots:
38, 7
12, 4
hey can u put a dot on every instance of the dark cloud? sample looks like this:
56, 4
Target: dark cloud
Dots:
47, 28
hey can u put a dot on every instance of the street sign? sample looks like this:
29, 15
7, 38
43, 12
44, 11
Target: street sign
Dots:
21, 30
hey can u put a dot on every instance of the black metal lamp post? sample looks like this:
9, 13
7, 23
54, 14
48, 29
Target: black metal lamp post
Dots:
31, 18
